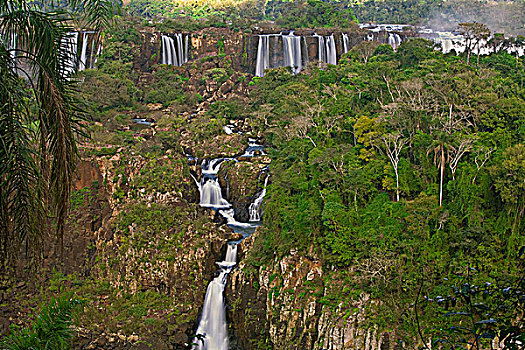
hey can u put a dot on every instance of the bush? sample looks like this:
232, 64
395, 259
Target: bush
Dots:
51, 329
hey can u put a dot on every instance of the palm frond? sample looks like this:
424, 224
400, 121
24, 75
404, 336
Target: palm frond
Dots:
20, 209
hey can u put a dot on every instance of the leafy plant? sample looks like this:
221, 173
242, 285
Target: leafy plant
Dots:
50, 329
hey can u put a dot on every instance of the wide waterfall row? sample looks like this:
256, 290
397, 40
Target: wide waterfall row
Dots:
175, 50
79, 51
290, 50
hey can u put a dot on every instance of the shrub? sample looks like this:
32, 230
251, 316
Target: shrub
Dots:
51, 329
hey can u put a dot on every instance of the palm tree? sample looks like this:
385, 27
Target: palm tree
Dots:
39, 120
440, 149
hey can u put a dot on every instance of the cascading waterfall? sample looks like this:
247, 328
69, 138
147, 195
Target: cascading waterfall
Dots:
83, 54
292, 52
209, 187
11, 44
167, 49
263, 56
326, 51
321, 49
80, 52
70, 45
306, 57
92, 59
346, 43
394, 40
331, 52
175, 49
254, 149
256, 207
212, 326
212, 331
211, 194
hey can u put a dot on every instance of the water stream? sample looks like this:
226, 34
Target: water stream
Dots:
212, 331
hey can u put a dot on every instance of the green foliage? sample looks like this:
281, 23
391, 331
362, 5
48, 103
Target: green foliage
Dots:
471, 312
166, 88
50, 330
333, 189
311, 14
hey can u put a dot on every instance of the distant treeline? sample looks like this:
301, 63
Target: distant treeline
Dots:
506, 17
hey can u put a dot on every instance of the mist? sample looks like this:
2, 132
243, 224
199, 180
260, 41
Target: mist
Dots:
506, 17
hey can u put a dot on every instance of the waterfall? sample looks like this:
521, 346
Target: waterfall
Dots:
11, 44
83, 55
263, 56
346, 43
211, 194
70, 45
186, 48
253, 149
321, 49
331, 52
175, 49
92, 58
326, 51
99, 50
394, 40
292, 52
213, 326
306, 58
212, 331
213, 166
209, 187
167, 50
256, 207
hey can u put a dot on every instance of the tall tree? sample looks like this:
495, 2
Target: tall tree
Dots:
37, 149
392, 144
475, 34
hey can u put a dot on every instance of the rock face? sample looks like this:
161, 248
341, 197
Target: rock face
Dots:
282, 307
241, 181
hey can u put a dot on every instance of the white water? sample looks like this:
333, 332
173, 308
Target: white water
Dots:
346, 43
212, 332
70, 44
263, 56
83, 54
331, 52
253, 149
209, 187
175, 49
92, 60
292, 52
255, 208
213, 326
211, 194
11, 44
394, 40
321, 50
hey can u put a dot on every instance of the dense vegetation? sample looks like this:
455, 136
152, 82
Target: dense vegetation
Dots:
408, 168
50, 330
